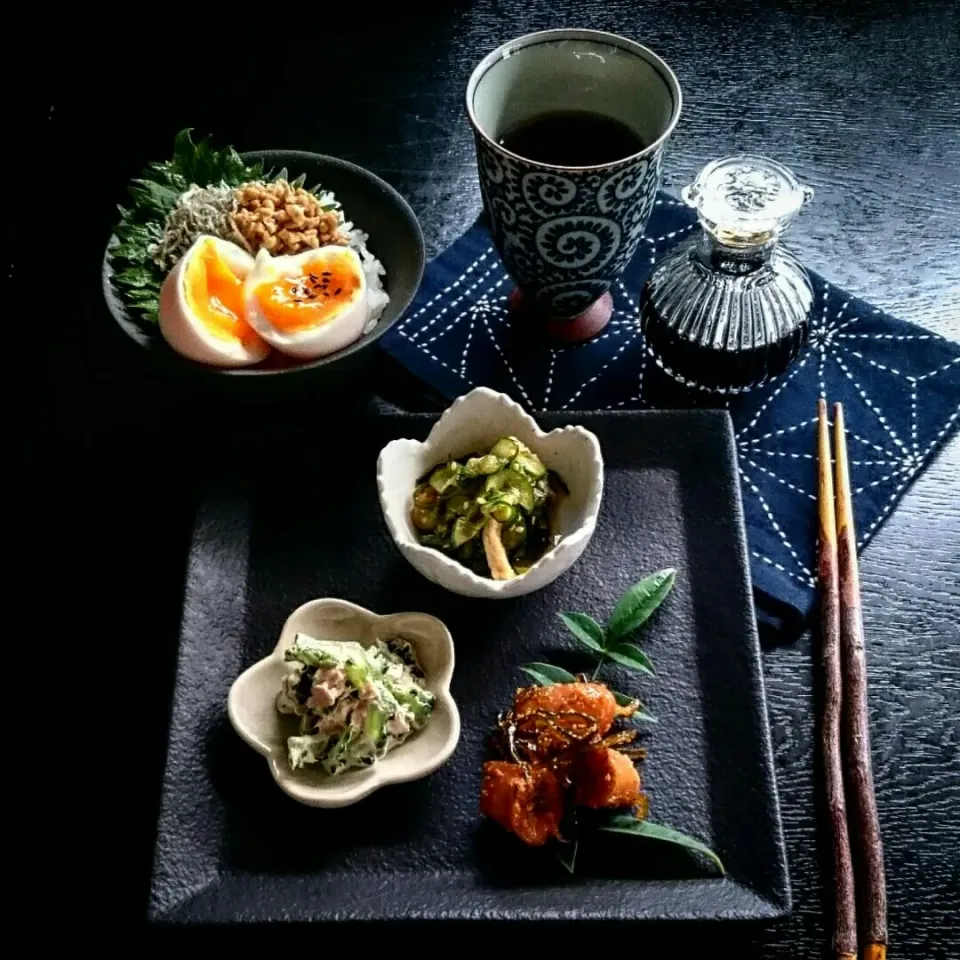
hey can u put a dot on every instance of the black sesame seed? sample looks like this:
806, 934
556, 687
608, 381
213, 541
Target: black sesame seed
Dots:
336, 292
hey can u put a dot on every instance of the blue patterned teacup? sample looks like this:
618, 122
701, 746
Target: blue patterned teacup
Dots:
565, 233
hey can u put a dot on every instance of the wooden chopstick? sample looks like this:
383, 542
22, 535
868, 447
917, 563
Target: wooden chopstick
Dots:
856, 724
845, 910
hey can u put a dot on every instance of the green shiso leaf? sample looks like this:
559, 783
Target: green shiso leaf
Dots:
153, 195
134, 277
153, 199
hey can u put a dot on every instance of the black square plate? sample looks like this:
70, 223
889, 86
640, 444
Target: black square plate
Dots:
292, 522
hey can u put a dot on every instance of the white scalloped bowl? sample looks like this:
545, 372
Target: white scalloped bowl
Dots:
472, 423
251, 703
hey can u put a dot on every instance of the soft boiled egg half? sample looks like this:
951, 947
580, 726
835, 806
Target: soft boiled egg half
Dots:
309, 304
201, 306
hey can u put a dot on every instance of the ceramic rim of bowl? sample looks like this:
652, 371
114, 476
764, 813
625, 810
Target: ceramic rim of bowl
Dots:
512, 47
118, 310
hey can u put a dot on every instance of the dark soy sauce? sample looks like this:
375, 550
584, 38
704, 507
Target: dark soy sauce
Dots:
572, 138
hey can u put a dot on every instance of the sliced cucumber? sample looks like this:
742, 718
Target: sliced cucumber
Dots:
417, 700
460, 505
529, 463
432, 540
464, 530
506, 447
514, 535
503, 510
357, 673
373, 725
483, 466
511, 485
443, 478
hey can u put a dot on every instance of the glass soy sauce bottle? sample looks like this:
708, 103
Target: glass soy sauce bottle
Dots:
728, 309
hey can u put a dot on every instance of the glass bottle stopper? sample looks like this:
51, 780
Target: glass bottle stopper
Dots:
746, 201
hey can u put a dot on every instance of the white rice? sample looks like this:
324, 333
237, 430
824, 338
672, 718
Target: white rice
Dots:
373, 269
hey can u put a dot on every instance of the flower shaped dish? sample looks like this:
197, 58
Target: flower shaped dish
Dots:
251, 703
474, 422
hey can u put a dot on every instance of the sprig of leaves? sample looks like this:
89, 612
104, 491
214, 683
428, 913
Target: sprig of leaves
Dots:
633, 609
631, 612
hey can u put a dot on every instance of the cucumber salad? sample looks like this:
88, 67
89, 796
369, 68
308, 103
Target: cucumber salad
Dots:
494, 512
355, 703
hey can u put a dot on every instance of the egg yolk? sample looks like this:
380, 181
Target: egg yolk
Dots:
293, 304
215, 293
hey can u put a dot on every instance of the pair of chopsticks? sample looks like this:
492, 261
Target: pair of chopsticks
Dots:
845, 727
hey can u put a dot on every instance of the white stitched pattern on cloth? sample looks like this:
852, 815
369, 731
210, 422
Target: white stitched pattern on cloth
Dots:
456, 283
895, 419
773, 522
467, 291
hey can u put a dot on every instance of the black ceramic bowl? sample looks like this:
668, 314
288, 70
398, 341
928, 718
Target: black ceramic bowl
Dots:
395, 239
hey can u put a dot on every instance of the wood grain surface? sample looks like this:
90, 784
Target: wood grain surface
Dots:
862, 100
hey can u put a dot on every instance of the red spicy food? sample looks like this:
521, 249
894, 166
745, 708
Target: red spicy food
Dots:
606, 778
556, 747
526, 799
592, 701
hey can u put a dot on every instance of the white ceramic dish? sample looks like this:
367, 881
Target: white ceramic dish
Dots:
251, 704
475, 422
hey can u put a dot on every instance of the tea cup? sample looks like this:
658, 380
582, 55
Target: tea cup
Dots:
566, 232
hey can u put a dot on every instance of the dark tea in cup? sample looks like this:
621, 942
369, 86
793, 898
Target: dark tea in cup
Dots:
572, 138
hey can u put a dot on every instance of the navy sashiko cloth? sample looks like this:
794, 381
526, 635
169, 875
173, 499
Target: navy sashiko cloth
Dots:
899, 384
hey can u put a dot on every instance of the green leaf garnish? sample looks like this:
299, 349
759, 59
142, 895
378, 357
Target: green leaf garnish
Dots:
630, 655
625, 823
566, 853
632, 610
154, 197
638, 603
640, 713
136, 278
585, 629
546, 674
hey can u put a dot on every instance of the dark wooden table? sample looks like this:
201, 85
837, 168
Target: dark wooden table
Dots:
861, 99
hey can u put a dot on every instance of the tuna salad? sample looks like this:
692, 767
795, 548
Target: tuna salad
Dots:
355, 703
